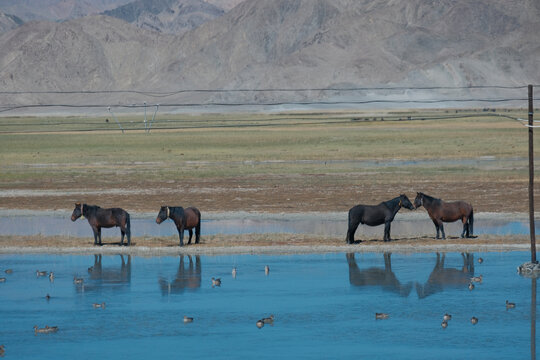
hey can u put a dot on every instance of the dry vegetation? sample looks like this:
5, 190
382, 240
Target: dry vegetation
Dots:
272, 163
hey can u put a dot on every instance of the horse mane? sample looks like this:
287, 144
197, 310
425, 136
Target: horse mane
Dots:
431, 198
390, 203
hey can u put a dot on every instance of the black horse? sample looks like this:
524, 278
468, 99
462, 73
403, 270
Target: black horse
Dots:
441, 211
185, 219
374, 215
104, 218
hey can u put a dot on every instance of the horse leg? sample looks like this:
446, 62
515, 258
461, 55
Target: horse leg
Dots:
353, 225
190, 236
387, 231
99, 236
441, 226
465, 228
122, 238
95, 230
198, 232
181, 234
436, 223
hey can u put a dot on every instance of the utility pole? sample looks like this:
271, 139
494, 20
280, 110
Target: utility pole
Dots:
531, 178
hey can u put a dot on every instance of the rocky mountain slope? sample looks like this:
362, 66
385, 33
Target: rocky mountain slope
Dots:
168, 16
285, 43
9, 22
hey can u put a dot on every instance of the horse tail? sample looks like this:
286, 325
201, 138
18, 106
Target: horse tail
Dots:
128, 225
471, 223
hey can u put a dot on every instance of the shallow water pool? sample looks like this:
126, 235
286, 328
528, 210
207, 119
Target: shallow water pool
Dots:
324, 306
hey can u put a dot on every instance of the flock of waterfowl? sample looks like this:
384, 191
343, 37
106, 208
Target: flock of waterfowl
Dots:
216, 282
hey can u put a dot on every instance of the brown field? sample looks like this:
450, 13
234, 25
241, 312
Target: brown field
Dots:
299, 163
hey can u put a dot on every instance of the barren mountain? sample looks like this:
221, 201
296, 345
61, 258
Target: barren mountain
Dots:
285, 43
168, 16
55, 10
9, 22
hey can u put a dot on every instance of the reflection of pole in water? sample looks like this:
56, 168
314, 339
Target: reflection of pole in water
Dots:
533, 318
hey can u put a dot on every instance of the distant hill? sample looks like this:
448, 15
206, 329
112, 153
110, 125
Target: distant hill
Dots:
283, 43
168, 16
9, 22
54, 10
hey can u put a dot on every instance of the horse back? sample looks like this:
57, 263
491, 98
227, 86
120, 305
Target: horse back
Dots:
369, 214
192, 216
451, 211
110, 217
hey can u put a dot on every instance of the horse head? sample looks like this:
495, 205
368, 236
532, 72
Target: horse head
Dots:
77, 212
405, 202
419, 200
163, 214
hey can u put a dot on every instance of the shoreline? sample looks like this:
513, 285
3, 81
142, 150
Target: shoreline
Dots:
258, 244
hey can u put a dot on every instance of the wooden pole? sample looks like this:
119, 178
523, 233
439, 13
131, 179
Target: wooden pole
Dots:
531, 178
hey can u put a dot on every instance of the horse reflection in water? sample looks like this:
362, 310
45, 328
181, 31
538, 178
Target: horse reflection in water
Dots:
442, 277
110, 277
186, 277
375, 276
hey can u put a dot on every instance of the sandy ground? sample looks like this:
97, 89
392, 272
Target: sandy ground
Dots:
270, 243
258, 244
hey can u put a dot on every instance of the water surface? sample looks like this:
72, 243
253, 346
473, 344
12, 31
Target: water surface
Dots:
324, 306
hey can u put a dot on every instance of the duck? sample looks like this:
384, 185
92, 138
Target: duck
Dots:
381, 316
268, 320
480, 260
187, 319
444, 324
474, 320
234, 271
41, 273
3, 279
510, 305
266, 269
259, 324
216, 282
48, 297
90, 269
471, 286
477, 279
51, 276
9, 271
2, 350
447, 317
98, 305
77, 280
47, 329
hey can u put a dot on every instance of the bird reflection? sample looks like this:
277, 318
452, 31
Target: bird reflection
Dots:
186, 277
442, 277
102, 276
374, 276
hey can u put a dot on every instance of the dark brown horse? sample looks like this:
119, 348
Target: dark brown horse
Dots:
103, 218
374, 215
185, 219
441, 211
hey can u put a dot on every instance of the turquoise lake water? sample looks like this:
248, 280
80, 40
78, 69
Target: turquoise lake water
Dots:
324, 307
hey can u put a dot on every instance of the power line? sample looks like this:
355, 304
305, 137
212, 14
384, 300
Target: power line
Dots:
341, 89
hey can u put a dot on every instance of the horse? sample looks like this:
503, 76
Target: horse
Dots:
185, 219
441, 211
374, 215
98, 217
